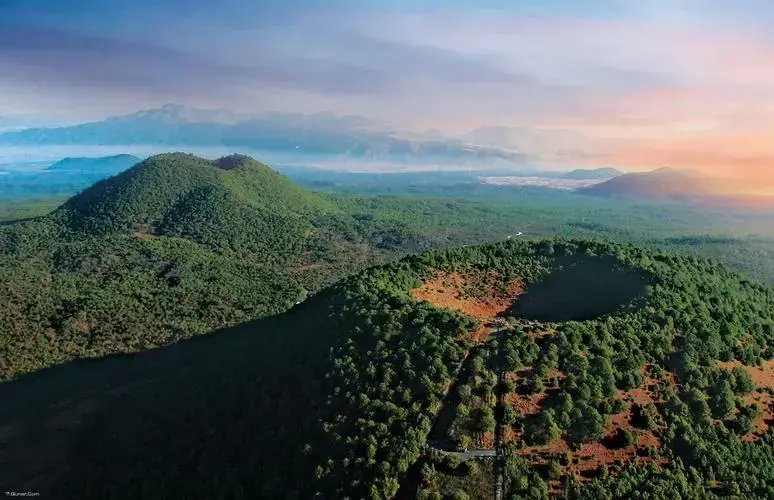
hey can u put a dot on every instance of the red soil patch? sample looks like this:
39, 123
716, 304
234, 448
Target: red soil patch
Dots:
765, 402
622, 420
540, 453
648, 440
485, 440
594, 455
526, 405
479, 335
646, 393
763, 375
509, 434
449, 290
81, 327
591, 456
639, 395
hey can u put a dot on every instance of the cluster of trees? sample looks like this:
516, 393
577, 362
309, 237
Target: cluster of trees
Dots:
122, 294
694, 313
202, 215
474, 414
446, 476
388, 378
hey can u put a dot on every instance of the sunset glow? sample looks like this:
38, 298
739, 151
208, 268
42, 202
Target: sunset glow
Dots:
638, 85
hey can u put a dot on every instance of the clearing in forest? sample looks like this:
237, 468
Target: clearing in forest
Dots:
577, 289
765, 418
475, 293
763, 375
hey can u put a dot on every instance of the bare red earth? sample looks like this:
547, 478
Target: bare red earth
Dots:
591, 456
763, 375
449, 290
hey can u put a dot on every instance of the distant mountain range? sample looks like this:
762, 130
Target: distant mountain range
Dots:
523, 138
63, 178
106, 165
592, 174
323, 134
10, 123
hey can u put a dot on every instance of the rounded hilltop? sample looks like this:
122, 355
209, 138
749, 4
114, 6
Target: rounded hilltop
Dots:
586, 369
140, 198
231, 162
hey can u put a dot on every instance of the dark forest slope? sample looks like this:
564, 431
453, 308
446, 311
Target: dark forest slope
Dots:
252, 412
338, 395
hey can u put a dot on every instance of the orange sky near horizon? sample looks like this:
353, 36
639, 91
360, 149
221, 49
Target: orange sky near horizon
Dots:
738, 163
709, 108
635, 85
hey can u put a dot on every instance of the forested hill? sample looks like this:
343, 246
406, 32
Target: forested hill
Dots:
173, 247
168, 192
646, 394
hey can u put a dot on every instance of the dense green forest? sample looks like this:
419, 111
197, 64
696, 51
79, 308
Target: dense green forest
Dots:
651, 360
174, 247
338, 395
178, 246
648, 392
417, 211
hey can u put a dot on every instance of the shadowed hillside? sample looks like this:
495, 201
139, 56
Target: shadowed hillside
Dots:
281, 407
229, 411
337, 396
581, 289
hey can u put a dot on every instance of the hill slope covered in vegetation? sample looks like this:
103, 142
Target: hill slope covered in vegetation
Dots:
660, 393
175, 246
144, 196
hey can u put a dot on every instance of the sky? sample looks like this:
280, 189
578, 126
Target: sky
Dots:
632, 84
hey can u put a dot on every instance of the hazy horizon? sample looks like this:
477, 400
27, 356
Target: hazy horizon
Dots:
633, 85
